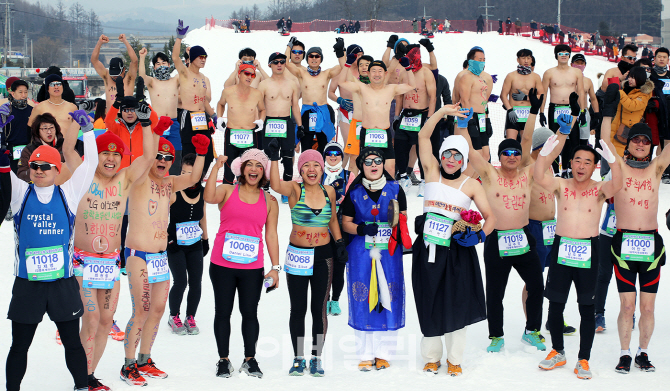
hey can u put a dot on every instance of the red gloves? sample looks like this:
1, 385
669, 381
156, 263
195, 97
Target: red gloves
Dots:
163, 124
201, 144
400, 230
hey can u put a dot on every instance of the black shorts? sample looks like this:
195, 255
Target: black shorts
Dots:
408, 135
31, 299
389, 152
627, 270
560, 277
479, 139
287, 143
551, 122
518, 126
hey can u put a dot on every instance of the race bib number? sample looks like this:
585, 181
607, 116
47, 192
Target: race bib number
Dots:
45, 263
381, 240
242, 138
312, 122
159, 270
359, 125
548, 232
376, 138
558, 110
637, 247
241, 248
482, 122
575, 253
188, 233
299, 261
666, 86
522, 113
275, 128
100, 273
198, 121
411, 124
512, 242
16, 151
437, 229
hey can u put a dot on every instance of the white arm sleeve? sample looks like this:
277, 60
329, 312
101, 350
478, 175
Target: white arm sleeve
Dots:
77, 186
19, 188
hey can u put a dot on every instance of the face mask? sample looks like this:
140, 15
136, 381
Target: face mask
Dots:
659, 69
580, 67
18, 103
523, 70
162, 73
648, 74
476, 67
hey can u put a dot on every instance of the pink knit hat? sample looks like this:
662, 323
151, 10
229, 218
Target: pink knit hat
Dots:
251, 154
310, 155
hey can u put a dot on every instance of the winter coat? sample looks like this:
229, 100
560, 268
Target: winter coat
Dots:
631, 110
132, 140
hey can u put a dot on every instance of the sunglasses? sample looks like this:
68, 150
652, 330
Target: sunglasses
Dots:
630, 58
167, 158
640, 140
277, 62
333, 153
128, 110
378, 161
449, 154
43, 167
55, 84
511, 152
563, 54
299, 52
246, 73
202, 56
314, 56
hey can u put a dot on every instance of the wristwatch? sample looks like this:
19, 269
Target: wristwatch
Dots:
276, 267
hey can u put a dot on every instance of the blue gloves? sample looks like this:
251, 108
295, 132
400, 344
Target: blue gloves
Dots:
83, 120
345, 103
5, 118
463, 122
565, 123
469, 238
493, 98
495, 78
367, 229
181, 30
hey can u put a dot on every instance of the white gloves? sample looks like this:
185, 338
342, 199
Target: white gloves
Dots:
549, 145
606, 153
259, 123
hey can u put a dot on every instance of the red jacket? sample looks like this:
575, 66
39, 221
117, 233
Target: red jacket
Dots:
133, 141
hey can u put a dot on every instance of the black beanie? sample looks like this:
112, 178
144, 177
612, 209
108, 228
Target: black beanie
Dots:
508, 143
367, 151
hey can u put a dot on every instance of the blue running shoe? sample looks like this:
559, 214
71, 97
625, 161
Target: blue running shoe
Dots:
533, 339
334, 308
496, 345
298, 367
284, 199
315, 368
600, 323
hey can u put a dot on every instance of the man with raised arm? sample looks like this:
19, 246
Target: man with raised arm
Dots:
514, 94
116, 69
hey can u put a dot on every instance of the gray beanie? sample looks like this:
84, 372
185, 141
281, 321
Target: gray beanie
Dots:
314, 49
540, 136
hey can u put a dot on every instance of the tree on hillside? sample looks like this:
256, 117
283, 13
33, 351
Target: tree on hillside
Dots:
47, 52
136, 45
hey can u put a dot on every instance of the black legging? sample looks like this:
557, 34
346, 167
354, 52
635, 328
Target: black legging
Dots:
402, 150
124, 232
587, 328
186, 267
320, 282
338, 280
249, 284
22, 337
605, 269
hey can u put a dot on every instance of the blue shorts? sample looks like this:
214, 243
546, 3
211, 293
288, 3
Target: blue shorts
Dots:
543, 251
173, 134
129, 252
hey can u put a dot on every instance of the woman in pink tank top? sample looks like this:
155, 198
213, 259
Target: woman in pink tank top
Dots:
237, 253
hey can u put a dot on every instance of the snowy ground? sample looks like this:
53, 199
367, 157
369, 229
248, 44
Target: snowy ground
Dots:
190, 360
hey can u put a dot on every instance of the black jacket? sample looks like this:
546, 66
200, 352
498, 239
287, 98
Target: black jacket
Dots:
662, 113
280, 23
289, 23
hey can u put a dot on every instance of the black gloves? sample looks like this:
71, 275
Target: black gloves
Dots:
427, 44
543, 119
367, 229
272, 149
339, 47
205, 247
120, 93
391, 42
300, 133
535, 102
574, 104
139, 89
400, 51
341, 251
611, 101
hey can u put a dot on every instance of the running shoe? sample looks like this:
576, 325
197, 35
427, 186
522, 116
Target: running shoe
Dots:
365, 366
149, 369
624, 364
582, 370
542, 338
116, 333
315, 368
454, 370
600, 323
422, 189
665, 178
224, 368
533, 339
334, 308
432, 367
250, 367
405, 183
191, 328
298, 367
496, 345
642, 362
380, 363
554, 359
284, 199
58, 341
413, 178
176, 325
132, 376
95, 385
568, 330
123, 271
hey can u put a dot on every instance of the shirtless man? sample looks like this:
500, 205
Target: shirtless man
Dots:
242, 128
281, 97
593, 116
514, 94
146, 258
474, 89
116, 69
246, 56
637, 248
346, 111
560, 82
195, 94
378, 95
417, 105
55, 105
352, 146
316, 112
508, 189
574, 255
97, 239
628, 58
164, 93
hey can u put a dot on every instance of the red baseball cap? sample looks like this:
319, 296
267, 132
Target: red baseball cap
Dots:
47, 154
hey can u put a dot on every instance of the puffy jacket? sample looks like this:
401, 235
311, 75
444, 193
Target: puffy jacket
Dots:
631, 109
132, 140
